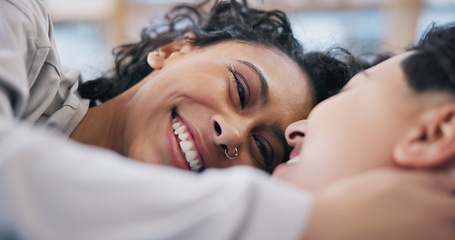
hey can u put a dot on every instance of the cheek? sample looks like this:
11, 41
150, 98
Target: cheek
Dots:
338, 144
140, 151
207, 91
151, 150
292, 173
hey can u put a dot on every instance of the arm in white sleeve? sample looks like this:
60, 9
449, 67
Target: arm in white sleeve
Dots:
52, 189
32, 85
13, 71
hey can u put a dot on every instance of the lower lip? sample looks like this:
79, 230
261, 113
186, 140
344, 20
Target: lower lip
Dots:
174, 149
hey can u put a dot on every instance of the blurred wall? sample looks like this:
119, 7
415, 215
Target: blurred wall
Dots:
86, 30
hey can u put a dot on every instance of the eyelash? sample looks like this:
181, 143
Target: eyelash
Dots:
244, 99
242, 92
264, 150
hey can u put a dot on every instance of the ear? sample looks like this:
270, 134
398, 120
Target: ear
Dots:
158, 58
431, 141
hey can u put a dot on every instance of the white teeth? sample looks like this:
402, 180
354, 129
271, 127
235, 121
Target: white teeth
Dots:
190, 156
180, 130
186, 145
196, 168
176, 125
184, 136
194, 163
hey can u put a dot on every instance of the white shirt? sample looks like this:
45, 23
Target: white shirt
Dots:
52, 188
34, 87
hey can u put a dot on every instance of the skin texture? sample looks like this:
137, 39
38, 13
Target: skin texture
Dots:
376, 121
385, 203
356, 152
199, 85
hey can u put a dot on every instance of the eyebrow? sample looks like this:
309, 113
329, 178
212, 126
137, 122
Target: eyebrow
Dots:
264, 91
279, 133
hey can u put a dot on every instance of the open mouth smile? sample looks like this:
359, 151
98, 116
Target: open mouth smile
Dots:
187, 145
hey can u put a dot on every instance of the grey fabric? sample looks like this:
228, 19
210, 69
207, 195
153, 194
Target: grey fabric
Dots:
33, 85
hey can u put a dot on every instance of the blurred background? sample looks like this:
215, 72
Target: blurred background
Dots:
86, 30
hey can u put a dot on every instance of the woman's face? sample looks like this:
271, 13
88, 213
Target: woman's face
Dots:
204, 100
353, 131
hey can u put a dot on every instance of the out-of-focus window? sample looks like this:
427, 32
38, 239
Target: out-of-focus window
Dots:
368, 29
86, 30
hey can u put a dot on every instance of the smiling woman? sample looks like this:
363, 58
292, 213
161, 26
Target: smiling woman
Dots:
221, 103
188, 103
206, 90
222, 97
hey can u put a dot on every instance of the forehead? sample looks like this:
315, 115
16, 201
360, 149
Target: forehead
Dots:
390, 67
387, 75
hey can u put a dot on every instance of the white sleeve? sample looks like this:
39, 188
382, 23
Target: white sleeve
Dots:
52, 189
13, 71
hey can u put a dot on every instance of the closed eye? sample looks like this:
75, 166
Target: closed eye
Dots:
265, 149
243, 89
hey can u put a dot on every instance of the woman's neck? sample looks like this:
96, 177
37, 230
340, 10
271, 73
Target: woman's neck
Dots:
103, 126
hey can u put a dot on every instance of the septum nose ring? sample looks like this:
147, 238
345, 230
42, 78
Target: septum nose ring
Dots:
227, 154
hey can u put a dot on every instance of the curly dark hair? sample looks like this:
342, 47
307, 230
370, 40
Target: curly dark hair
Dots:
330, 70
227, 20
432, 67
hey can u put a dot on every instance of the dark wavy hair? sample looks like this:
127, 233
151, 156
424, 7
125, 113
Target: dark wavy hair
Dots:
432, 66
330, 70
227, 20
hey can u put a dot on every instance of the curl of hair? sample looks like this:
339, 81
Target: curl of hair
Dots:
331, 70
432, 66
227, 20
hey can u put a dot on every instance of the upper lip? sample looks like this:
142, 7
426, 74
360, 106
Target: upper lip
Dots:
202, 151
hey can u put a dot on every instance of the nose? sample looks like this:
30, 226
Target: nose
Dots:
295, 132
228, 134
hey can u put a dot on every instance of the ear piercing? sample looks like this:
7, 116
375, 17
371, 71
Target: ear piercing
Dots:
156, 54
227, 154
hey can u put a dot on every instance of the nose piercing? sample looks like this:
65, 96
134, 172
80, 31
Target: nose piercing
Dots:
235, 154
